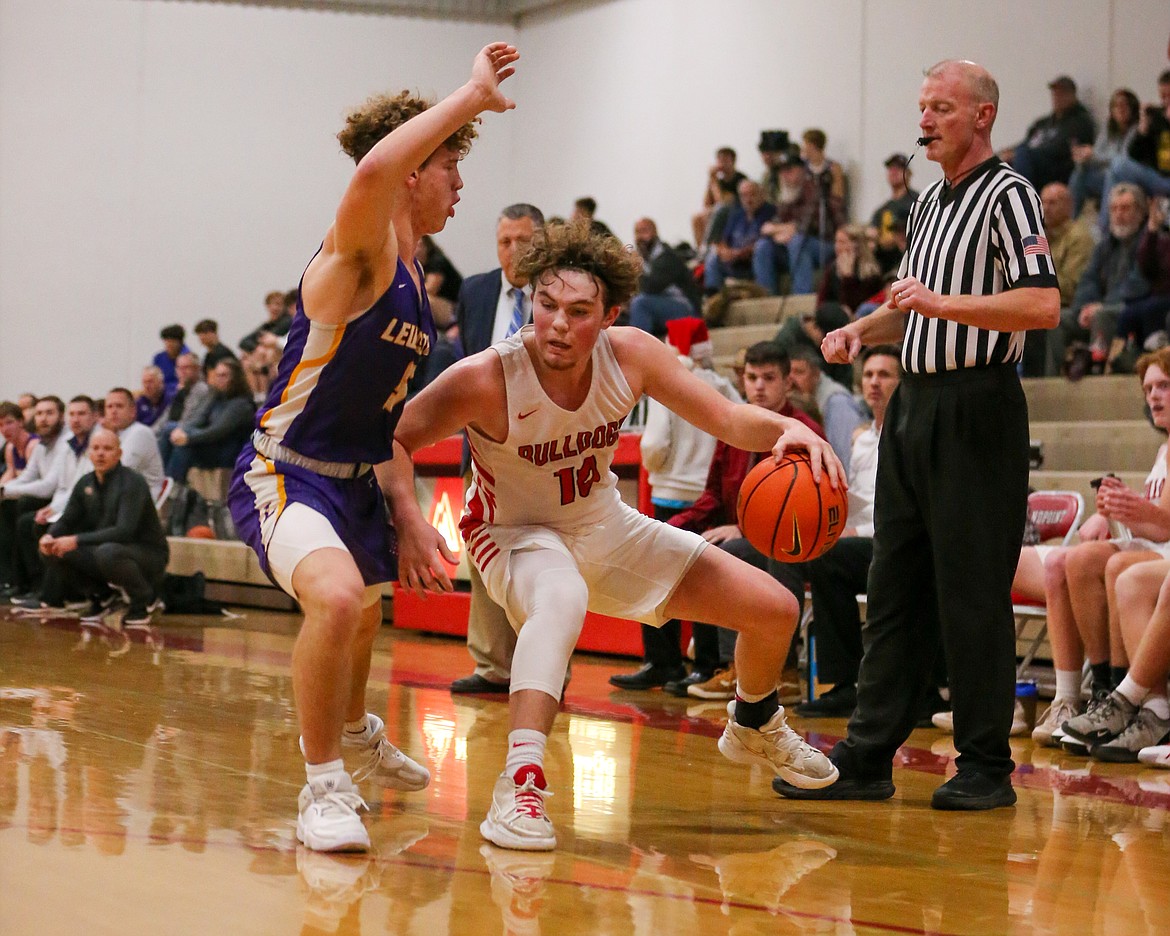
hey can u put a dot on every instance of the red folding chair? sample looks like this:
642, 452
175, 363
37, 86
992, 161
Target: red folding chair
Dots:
1056, 515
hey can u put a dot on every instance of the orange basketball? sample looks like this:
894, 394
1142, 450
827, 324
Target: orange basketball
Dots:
201, 532
785, 514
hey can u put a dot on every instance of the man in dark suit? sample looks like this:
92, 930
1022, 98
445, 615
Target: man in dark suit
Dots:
491, 307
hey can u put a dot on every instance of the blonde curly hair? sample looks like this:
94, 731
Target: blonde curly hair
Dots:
574, 246
382, 114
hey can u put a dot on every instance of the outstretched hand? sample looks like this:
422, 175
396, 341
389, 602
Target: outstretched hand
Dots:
491, 67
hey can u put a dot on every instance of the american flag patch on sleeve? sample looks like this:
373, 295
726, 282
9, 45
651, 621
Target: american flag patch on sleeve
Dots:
1035, 244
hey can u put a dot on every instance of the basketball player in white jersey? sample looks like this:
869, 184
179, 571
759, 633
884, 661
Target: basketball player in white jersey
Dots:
546, 528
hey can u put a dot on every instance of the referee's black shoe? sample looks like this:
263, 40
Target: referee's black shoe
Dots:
971, 790
648, 677
846, 788
678, 687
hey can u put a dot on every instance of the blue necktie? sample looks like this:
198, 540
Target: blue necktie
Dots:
517, 313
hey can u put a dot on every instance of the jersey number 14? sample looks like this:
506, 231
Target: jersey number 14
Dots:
576, 481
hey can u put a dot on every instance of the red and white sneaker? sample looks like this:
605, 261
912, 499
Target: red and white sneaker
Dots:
1157, 755
517, 817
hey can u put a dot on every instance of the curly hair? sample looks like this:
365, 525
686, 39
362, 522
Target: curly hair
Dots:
384, 113
574, 246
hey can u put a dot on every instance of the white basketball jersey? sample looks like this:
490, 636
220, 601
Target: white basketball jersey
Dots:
553, 469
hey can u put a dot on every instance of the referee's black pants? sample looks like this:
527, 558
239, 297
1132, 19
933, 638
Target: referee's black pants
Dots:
951, 497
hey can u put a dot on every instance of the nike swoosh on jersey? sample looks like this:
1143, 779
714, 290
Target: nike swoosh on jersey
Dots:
526, 415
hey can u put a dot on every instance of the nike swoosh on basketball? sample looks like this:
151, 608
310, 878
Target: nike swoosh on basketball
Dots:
795, 550
526, 415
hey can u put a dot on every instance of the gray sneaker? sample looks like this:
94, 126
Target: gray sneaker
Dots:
1047, 730
1102, 722
1146, 730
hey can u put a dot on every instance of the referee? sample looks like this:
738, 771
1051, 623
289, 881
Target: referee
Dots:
953, 465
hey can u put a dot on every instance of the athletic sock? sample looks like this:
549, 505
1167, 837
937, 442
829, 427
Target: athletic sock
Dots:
525, 748
1131, 691
1159, 705
316, 771
1101, 679
755, 711
1117, 674
357, 727
1068, 684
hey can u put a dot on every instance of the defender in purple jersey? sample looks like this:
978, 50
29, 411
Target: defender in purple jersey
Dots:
327, 525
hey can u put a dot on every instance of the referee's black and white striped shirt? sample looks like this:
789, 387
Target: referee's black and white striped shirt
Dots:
982, 237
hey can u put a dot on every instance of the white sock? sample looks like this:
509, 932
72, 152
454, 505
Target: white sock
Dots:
317, 771
1131, 691
1158, 705
525, 746
1068, 684
357, 727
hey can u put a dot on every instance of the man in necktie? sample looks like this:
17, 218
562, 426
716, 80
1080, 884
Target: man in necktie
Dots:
493, 306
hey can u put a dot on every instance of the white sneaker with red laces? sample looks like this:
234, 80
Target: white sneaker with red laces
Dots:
517, 818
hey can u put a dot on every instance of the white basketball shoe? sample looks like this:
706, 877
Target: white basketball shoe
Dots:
517, 817
328, 820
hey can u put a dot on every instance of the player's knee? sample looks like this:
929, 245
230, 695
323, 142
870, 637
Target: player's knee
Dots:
333, 603
561, 594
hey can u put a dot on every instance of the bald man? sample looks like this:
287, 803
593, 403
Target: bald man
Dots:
108, 535
666, 288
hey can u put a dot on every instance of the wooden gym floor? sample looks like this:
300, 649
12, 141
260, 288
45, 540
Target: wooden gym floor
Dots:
148, 786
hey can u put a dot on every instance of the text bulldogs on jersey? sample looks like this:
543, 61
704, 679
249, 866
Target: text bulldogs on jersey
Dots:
604, 436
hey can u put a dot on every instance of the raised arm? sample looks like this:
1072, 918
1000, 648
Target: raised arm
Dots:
363, 217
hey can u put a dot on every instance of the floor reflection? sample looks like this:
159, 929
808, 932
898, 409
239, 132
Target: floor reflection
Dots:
157, 771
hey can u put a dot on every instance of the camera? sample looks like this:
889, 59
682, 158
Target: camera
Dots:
773, 141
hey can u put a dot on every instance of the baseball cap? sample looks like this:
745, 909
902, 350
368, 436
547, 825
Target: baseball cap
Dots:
896, 159
1063, 82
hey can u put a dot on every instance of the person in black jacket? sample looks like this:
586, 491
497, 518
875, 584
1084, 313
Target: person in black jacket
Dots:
219, 430
1045, 153
667, 290
109, 533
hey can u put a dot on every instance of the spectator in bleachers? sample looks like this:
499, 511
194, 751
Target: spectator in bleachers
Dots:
19, 442
584, 209
731, 256
1147, 161
139, 448
81, 416
1143, 321
27, 403
31, 490
278, 323
767, 381
840, 413
220, 429
666, 289
190, 396
1045, 153
828, 174
889, 220
677, 457
172, 338
837, 577
108, 535
1071, 243
260, 367
1079, 582
1092, 161
808, 330
798, 239
1110, 278
207, 331
442, 279
854, 277
773, 148
155, 397
719, 195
